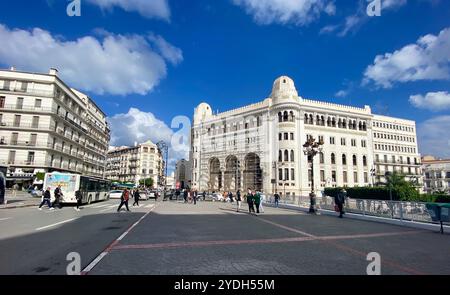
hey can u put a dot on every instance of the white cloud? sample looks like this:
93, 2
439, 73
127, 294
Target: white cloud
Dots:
427, 59
434, 137
137, 126
360, 17
298, 12
147, 8
434, 101
113, 64
341, 93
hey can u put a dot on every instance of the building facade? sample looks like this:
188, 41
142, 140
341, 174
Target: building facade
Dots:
183, 174
47, 126
436, 173
132, 164
259, 146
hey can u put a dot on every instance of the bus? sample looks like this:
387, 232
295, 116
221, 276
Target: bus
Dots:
93, 189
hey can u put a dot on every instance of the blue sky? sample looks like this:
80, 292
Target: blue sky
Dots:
146, 62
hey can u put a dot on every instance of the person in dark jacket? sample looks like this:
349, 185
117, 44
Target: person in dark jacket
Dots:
204, 195
230, 196
124, 200
238, 200
136, 197
251, 207
257, 200
339, 200
79, 197
46, 199
58, 194
185, 195
277, 199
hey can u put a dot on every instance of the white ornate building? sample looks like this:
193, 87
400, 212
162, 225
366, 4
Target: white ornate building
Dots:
183, 171
47, 126
259, 146
436, 174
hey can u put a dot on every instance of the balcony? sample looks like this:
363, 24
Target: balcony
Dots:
42, 93
17, 125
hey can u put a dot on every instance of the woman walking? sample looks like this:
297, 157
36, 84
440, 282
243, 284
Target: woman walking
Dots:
136, 197
238, 200
251, 208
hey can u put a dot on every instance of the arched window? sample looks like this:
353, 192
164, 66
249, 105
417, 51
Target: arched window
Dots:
360, 126
344, 123
322, 158
280, 156
306, 119
344, 159
292, 174
333, 158
340, 123
285, 116
286, 156
286, 174
329, 122
355, 160
317, 120
333, 122
291, 116
311, 119
322, 120
292, 156
280, 117
364, 160
364, 126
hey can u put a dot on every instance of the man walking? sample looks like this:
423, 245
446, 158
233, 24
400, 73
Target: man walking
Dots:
79, 198
124, 200
339, 201
136, 197
46, 199
194, 195
251, 208
238, 200
277, 199
257, 201
185, 195
58, 194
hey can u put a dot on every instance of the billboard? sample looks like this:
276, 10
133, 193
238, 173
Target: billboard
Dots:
66, 181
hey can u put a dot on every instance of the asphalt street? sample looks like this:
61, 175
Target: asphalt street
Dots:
210, 238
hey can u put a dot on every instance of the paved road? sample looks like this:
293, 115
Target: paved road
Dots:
37, 242
211, 238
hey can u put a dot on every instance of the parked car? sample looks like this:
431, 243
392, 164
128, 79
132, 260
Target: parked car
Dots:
216, 197
115, 194
36, 193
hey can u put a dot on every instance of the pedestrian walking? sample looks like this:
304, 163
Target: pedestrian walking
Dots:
79, 198
277, 199
262, 199
185, 195
230, 196
15, 188
136, 197
339, 200
204, 195
46, 199
251, 207
58, 195
124, 200
2, 188
194, 195
238, 200
257, 201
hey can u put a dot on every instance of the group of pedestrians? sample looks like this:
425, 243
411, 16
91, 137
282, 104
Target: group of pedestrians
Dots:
254, 201
191, 196
58, 195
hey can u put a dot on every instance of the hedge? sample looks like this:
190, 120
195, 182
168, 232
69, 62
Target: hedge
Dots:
382, 193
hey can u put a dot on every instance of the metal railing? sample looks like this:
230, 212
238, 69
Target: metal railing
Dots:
404, 211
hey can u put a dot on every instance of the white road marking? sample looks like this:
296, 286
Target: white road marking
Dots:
149, 206
109, 208
56, 224
1, 219
91, 265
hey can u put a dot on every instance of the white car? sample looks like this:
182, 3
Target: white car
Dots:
116, 194
217, 197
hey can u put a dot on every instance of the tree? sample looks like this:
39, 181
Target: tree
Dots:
403, 190
148, 182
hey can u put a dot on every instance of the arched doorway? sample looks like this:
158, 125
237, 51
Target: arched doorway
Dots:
232, 174
215, 177
253, 173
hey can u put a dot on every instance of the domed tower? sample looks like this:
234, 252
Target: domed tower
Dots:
202, 112
284, 90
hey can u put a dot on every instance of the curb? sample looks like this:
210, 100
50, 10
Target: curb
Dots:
19, 206
406, 223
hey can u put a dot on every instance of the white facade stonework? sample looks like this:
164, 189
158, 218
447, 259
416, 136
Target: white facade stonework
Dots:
183, 173
47, 126
132, 164
259, 146
436, 175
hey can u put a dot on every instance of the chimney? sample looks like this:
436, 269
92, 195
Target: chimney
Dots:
53, 72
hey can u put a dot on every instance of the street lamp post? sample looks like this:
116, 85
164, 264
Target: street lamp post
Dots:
311, 148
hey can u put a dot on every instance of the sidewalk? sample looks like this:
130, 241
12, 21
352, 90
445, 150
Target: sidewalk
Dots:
22, 199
